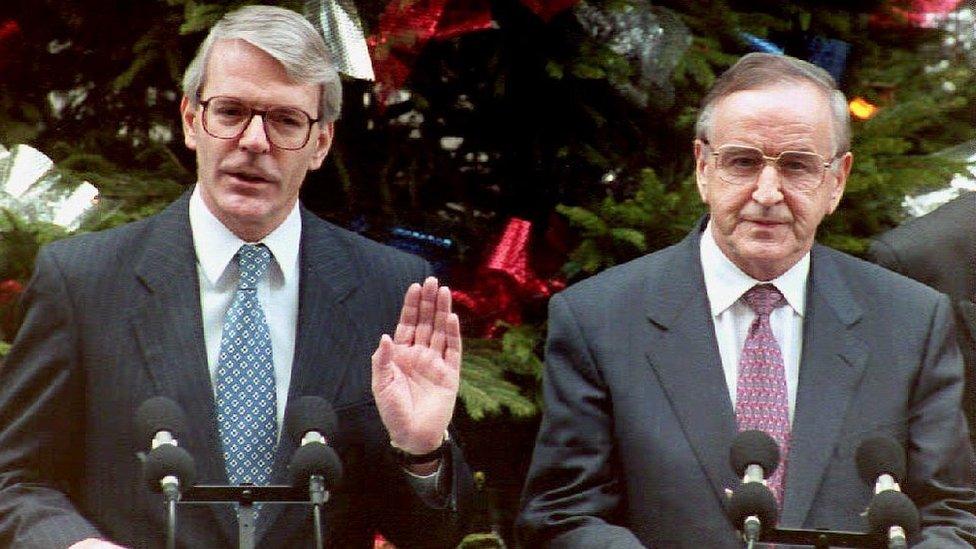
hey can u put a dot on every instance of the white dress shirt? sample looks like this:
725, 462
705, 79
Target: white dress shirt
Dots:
215, 248
725, 283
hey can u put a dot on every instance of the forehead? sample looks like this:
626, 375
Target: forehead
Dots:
776, 118
239, 69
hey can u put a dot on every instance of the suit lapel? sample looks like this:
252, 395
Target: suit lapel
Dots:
684, 355
169, 328
831, 366
325, 328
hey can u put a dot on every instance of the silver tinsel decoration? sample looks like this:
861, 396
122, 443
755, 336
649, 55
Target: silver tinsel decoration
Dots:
344, 37
652, 39
32, 189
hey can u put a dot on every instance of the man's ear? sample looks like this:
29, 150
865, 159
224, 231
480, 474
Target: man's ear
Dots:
323, 142
700, 162
840, 183
188, 116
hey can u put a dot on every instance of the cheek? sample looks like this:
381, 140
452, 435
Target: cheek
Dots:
807, 210
729, 201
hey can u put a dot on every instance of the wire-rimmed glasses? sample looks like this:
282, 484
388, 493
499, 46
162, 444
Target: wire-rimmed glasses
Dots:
285, 127
741, 165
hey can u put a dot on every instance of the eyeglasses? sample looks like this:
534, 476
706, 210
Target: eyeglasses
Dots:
285, 127
741, 165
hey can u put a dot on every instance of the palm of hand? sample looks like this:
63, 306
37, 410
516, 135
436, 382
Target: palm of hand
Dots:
417, 373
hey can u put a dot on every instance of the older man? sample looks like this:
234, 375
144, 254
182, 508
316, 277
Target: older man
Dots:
234, 302
653, 366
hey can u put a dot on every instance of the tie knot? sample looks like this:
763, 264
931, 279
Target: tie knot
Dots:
253, 260
763, 298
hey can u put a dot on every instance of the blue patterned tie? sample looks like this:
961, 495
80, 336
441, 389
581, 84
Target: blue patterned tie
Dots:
246, 407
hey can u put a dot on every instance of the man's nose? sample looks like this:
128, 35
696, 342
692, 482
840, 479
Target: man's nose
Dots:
255, 137
769, 189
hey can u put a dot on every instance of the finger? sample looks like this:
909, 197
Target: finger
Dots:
425, 316
452, 352
382, 360
408, 315
438, 339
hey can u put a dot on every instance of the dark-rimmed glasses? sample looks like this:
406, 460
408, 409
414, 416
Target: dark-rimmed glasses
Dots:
285, 127
741, 165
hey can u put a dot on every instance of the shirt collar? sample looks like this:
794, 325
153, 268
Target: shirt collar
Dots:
216, 245
725, 282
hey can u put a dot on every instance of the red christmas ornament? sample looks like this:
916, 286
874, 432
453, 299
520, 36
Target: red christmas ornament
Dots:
9, 290
505, 282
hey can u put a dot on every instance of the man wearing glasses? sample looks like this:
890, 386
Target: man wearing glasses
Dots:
234, 302
747, 324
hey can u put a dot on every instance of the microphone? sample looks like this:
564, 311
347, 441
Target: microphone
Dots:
160, 420
167, 468
754, 456
881, 460
311, 420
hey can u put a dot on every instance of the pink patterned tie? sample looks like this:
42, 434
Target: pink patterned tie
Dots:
761, 401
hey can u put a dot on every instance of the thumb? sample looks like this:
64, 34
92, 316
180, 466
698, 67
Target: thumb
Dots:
382, 359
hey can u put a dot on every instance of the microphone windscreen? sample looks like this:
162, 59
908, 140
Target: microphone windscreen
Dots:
159, 414
169, 460
880, 456
754, 448
893, 508
311, 413
315, 458
753, 498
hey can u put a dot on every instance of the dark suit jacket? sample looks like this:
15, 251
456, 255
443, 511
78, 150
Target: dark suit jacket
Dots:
634, 443
939, 249
113, 318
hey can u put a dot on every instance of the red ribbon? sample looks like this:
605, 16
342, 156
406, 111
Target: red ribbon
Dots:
506, 283
406, 26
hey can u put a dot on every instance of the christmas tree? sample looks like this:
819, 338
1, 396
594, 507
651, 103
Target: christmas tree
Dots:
517, 144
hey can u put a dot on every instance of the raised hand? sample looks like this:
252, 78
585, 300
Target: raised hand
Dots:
417, 372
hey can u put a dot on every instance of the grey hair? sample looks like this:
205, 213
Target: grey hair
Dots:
284, 35
761, 70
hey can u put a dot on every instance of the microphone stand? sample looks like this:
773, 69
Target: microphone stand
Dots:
318, 495
822, 539
171, 494
246, 524
245, 496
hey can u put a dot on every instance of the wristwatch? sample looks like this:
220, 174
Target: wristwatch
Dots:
405, 458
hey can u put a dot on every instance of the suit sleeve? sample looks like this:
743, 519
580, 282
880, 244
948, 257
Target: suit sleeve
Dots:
572, 494
40, 396
941, 472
